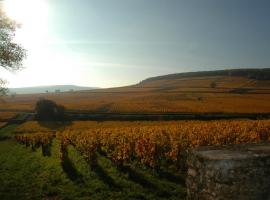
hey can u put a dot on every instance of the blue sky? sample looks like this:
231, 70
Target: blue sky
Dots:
109, 43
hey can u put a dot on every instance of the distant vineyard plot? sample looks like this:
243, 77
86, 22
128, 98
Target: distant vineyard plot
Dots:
224, 94
5, 116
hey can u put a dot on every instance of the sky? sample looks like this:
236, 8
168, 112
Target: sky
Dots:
110, 43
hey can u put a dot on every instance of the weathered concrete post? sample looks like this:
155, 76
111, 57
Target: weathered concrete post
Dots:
229, 172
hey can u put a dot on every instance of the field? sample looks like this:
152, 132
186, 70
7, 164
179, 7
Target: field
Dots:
109, 160
153, 144
124, 159
192, 94
5, 116
87, 110
27, 174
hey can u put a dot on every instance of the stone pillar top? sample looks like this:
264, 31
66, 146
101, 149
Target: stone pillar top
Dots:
233, 152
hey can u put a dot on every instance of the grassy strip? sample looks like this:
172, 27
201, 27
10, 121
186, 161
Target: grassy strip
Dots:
7, 131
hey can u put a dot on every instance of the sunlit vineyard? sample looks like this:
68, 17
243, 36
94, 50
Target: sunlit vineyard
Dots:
193, 94
36, 140
152, 144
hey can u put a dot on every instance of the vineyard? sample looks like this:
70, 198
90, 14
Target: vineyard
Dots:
193, 94
110, 159
154, 145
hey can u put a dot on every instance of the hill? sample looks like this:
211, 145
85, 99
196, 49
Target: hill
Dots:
225, 91
258, 74
46, 89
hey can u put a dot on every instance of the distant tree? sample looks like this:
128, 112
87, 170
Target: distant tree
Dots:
11, 54
3, 90
200, 98
48, 110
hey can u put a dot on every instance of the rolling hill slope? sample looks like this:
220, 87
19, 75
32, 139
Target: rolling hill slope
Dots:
46, 89
258, 74
226, 91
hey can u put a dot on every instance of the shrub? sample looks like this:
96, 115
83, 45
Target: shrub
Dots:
47, 110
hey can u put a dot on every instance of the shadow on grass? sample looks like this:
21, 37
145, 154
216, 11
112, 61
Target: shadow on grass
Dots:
71, 171
102, 174
171, 177
46, 150
137, 177
3, 138
140, 179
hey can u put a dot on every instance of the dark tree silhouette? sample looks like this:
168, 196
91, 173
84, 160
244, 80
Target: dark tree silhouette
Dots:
48, 110
11, 54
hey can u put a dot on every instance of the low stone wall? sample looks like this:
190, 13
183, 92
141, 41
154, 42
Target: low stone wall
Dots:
229, 172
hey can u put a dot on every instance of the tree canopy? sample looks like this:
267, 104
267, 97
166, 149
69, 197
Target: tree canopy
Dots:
11, 53
48, 110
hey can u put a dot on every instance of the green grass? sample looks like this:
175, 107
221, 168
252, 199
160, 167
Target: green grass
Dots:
21, 116
25, 174
6, 132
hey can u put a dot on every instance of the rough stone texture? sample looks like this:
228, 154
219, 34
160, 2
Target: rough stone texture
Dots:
229, 172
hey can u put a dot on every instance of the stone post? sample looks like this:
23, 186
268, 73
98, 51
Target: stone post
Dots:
229, 172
